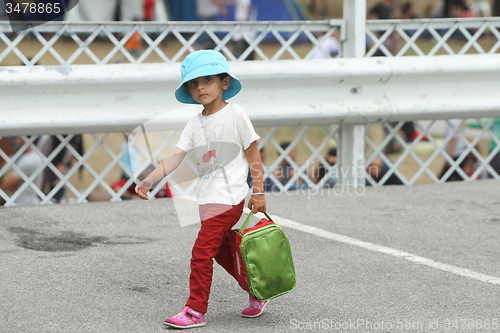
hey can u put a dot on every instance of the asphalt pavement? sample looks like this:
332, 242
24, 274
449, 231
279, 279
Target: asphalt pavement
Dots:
124, 266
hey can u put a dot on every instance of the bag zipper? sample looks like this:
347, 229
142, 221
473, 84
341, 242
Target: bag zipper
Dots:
264, 228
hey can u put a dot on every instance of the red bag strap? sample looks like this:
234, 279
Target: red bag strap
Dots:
268, 217
249, 218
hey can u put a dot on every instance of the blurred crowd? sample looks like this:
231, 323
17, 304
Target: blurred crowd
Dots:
285, 173
31, 164
397, 9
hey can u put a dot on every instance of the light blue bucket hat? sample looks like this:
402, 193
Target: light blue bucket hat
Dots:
204, 63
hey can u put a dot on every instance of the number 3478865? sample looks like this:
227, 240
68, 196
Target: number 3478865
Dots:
32, 8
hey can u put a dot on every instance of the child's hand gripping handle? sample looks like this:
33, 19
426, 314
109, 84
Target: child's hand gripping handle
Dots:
257, 203
249, 218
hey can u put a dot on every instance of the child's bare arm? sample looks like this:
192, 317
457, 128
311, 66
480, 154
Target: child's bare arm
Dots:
166, 166
256, 202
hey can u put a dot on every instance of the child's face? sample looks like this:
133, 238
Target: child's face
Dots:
208, 89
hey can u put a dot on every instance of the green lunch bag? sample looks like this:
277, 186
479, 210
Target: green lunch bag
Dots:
262, 259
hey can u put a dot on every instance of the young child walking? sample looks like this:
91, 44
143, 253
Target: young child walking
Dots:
225, 144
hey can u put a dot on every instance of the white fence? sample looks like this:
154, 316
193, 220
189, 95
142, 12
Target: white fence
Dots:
171, 41
311, 101
447, 36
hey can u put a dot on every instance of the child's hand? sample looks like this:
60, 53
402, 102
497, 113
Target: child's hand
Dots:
257, 203
143, 188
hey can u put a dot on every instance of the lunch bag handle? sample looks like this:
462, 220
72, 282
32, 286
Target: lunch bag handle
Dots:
249, 218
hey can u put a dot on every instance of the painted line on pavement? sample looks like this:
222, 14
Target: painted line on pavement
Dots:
386, 250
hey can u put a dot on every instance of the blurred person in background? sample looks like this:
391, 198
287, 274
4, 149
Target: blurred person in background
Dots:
207, 10
6, 145
378, 169
428, 10
408, 13
455, 147
482, 8
243, 12
28, 163
381, 11
149, 10
407, 132
63, 161
285, 171
461, 10
438, 9
134, 46
331, 158
329, 48
495, 130
134, 43
444, 8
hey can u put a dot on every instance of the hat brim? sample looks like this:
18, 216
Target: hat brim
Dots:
183, 96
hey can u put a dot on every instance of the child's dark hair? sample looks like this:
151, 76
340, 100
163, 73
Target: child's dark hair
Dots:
406, 6
221, 76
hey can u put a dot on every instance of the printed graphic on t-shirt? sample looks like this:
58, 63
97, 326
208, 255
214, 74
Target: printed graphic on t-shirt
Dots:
209, 152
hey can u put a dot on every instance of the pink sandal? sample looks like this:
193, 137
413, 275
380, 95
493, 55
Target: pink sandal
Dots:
255, 308
187, 318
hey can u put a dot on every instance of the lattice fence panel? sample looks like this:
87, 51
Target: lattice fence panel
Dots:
64, 43
429, 37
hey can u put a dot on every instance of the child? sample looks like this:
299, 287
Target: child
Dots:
222, 186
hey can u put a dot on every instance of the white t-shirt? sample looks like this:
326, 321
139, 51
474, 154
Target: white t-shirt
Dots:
28, 163
219, 142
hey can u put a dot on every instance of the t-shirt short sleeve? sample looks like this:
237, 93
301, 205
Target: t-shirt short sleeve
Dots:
186, 140
246, 132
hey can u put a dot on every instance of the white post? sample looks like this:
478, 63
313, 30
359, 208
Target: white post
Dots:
354, 43
352, 142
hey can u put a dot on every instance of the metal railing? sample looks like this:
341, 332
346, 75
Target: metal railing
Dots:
298, 41
175, 38
306, 138
454, 36
169, 42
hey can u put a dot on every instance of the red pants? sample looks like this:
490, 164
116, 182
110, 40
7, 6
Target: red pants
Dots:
212, 243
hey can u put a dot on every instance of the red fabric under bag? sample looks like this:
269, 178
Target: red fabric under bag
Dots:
239, 267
